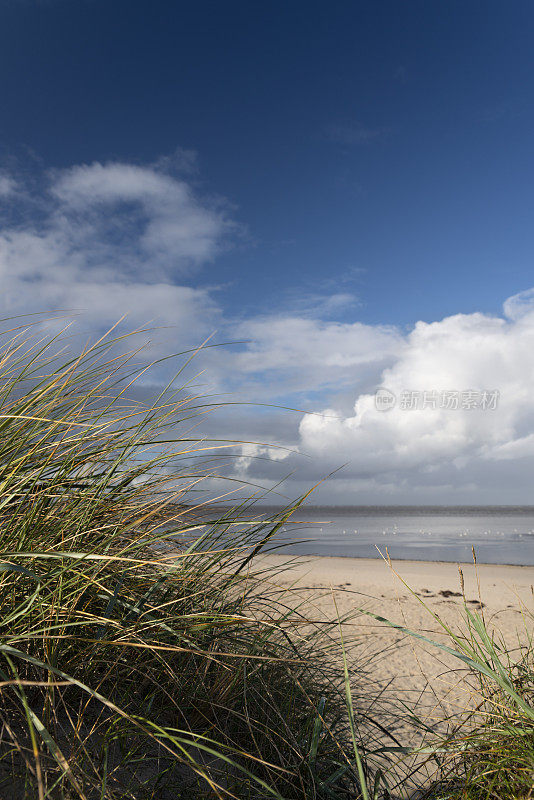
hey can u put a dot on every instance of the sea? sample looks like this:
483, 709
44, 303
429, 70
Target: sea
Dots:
496, 534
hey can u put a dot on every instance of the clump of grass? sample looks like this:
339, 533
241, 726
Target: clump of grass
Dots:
487, 753
131, 669
490, 754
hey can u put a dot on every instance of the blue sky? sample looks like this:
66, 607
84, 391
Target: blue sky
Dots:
328, 173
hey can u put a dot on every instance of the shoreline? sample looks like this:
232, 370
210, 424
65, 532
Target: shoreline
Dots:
405, 560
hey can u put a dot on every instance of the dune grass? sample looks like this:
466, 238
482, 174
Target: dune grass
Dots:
142, 652
487, 750
131, 669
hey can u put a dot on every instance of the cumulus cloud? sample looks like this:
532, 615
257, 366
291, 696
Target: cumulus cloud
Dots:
445, 447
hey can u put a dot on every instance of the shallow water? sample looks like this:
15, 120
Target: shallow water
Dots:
500, 535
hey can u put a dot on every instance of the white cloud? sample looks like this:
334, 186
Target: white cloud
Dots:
399, 456
425, 447
300, 354
175, 230
519, 305
104, 240
113, 239
251, 452
7, 186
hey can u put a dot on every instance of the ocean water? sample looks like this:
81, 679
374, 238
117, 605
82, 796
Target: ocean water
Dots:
499, 534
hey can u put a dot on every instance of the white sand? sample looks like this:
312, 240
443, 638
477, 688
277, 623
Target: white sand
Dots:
396, 663
500, 586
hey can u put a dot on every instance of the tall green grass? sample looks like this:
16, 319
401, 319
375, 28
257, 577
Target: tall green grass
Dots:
131, 667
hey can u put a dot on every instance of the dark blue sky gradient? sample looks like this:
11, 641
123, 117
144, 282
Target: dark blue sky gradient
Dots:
384, 145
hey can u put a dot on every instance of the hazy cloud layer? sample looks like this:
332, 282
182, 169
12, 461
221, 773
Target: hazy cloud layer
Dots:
291, 354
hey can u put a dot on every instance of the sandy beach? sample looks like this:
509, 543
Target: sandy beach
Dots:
500, 586
397, 664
